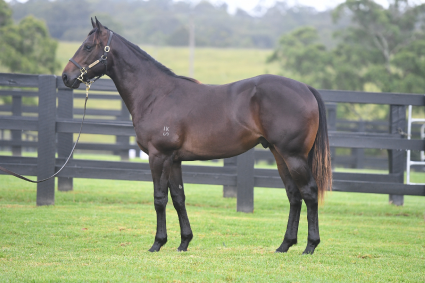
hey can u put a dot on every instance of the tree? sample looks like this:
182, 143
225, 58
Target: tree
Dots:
383, 49
304, 58
5, 14
388, 42
166, 21
28, 48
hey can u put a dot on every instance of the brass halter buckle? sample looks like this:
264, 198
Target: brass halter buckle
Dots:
83, 71
88, 84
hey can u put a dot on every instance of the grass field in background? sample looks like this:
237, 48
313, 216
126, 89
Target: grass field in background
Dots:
211, 65
102, 230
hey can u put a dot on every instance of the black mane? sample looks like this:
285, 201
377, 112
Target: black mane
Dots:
145, 56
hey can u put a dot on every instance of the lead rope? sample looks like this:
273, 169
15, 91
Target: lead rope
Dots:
88, 84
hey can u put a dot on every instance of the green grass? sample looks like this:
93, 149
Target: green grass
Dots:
101, 232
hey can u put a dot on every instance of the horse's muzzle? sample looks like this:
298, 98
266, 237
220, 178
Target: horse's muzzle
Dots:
69, 82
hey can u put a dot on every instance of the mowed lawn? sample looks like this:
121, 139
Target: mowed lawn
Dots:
102, 230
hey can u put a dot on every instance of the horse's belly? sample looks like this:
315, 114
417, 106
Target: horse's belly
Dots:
214, 145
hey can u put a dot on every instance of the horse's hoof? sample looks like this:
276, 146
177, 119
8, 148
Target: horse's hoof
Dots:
185, 243
182, 248
311, 246
156, 247
284, 247
309, 250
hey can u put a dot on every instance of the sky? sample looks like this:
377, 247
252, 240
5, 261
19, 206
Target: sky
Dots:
249, 5
320, 5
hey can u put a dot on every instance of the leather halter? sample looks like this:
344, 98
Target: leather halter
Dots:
103, 60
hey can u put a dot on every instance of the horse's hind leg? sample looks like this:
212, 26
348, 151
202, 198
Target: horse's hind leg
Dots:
295, 202
303, 178
177, 194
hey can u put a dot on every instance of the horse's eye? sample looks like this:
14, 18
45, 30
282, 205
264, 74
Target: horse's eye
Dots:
87, 47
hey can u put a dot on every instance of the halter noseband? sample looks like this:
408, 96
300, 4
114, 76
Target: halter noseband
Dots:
103, 59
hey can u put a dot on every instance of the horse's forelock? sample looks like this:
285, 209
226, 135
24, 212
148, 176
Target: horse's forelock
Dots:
96, 33
92, 31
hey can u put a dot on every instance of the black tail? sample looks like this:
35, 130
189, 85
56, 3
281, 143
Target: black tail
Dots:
319, 158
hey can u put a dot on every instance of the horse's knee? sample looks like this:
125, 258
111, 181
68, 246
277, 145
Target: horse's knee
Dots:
161, 202
179, 203
178, 197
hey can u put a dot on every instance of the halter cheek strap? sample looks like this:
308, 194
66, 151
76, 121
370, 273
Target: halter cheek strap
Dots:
103, 59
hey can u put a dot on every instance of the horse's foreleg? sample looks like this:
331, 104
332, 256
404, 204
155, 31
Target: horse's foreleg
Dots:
295, 202
160, 167
177, 194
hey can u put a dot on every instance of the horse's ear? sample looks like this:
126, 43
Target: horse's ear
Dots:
93, 23
100, 27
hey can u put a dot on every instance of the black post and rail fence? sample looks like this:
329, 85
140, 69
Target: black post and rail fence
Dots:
56, 126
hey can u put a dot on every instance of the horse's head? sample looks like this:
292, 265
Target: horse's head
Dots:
91, 58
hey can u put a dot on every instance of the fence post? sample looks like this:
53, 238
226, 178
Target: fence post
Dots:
332, 127
46, 139
360, 151
65, 140
16, 134
396, 158
1, 138
124, 140
230, 191
245, 181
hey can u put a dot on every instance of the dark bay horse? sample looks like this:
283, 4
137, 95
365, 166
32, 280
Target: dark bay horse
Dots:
179, 119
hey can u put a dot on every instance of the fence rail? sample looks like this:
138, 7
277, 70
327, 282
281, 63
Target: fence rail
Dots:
357, 159
55, 126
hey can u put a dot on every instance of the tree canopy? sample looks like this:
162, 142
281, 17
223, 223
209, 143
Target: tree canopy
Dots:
26, 47
391, 41
165, 22
383, 49
303, 57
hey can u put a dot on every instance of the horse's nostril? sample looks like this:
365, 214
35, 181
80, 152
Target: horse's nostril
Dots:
64, 78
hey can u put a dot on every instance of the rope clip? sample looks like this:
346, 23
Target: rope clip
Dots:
88, 85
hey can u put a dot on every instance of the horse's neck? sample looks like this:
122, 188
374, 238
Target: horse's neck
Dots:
136, 80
